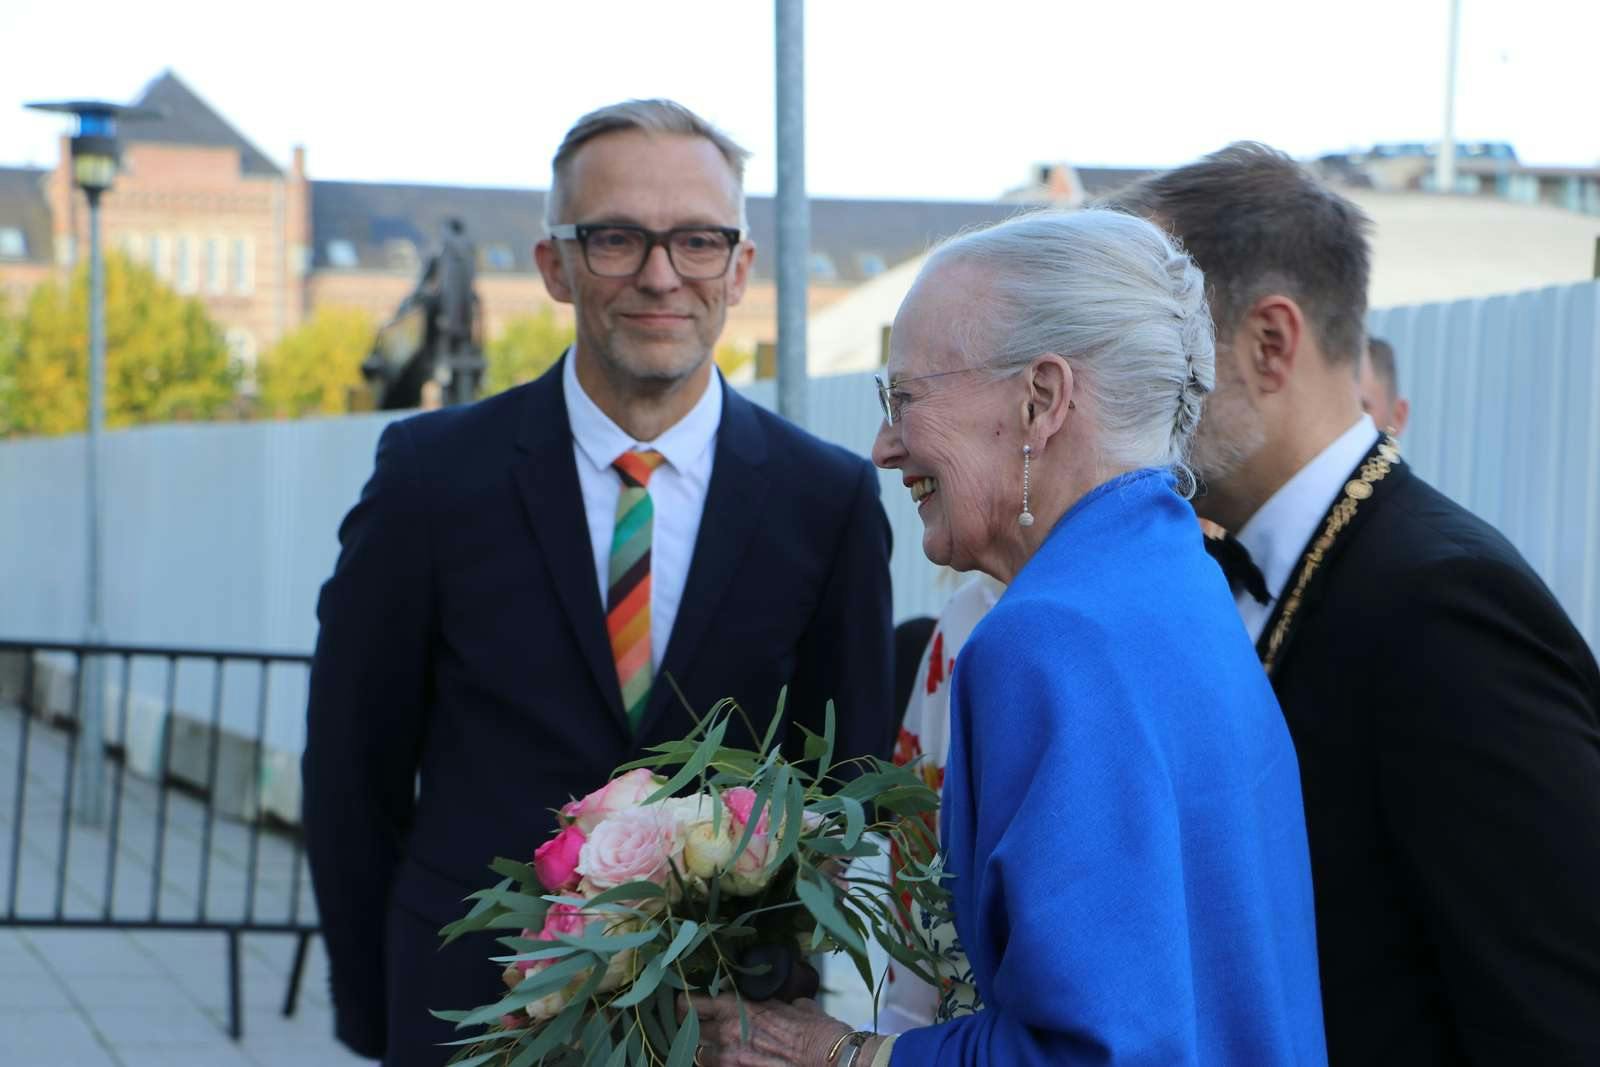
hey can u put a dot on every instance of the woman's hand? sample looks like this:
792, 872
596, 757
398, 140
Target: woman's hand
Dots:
781, 1035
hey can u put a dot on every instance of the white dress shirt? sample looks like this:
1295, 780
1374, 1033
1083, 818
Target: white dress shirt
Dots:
677, 492
1278, 533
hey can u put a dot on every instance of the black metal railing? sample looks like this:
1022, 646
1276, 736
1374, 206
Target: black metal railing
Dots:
166, 824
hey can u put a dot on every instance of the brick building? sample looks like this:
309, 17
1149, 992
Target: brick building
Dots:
263, 247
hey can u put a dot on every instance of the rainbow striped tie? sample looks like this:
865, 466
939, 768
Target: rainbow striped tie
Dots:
628, 597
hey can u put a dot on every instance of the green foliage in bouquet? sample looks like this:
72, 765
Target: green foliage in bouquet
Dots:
594, 973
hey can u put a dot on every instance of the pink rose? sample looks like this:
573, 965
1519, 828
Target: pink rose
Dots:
563, 919
620, 793
749, 873
631, 846
560, 919
741, 801
556, 861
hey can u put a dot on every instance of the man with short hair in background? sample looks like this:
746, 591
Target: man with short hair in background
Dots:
1380, 389
528, 583
1445, 711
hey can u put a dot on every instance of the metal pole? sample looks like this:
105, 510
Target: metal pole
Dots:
1444, 175
794, 212
91, 798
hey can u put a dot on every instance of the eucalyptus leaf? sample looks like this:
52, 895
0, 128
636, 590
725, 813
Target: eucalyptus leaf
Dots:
819, 902
829, 723
478, 1060
695, 764
685, 1044
519, 872
777, 720
537, 984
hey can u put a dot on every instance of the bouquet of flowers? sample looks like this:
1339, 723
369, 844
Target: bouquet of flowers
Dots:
701, 868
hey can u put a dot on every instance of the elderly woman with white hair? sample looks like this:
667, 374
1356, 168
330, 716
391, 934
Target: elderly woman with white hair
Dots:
1122, 816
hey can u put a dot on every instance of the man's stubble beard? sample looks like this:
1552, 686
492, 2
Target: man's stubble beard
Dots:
1230, 434
641, 377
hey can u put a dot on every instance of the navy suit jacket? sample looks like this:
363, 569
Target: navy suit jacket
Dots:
463, 685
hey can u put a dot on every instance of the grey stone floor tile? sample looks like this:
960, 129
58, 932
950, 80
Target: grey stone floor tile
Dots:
95, 992
104, 953
180, 1023
220, 1053
51, 1039
28, 993
17, 958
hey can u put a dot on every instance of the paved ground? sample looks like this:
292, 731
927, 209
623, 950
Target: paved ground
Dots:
118, 998
115, 998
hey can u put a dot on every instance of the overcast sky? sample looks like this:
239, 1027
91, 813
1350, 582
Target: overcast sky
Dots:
903, 98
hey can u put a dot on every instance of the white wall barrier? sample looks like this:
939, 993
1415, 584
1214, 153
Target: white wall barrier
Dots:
221, 535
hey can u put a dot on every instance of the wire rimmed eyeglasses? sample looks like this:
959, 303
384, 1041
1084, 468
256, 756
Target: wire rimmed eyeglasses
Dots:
617, 250
891, 400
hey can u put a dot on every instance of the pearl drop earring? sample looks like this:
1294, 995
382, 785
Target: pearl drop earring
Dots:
1026, 518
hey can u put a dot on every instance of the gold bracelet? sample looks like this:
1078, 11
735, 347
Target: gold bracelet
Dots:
833, 1053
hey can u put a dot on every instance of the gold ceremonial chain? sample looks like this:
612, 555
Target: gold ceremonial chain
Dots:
1357, 489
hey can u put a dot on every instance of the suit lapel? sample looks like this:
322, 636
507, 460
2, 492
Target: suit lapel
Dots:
727, 527
546, 478
1369, 484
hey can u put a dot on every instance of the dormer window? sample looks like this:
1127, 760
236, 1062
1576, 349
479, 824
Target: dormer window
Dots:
13, 243
342, 254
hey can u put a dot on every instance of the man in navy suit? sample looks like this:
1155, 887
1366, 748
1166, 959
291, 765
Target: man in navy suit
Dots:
522, 576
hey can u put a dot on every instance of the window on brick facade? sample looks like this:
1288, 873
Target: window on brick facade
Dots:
240, 266
212, 265
158, 255
182, 265
822, 267
871, 264
13, 243
342, 254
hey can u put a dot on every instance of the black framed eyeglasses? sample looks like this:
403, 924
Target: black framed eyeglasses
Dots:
615, 250
891, 400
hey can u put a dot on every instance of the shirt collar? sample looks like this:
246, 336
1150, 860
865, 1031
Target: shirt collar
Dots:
1277, 534
602, 440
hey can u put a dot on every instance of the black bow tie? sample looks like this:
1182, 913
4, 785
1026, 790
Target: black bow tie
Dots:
1237, 566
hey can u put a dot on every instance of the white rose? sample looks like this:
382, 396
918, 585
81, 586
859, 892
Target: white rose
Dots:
707, 852
752, 870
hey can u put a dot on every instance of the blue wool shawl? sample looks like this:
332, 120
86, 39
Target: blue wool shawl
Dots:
1122, 813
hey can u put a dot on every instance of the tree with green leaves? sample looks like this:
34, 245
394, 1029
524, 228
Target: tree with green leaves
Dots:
525, 348
166, 360
314, 370
8, 367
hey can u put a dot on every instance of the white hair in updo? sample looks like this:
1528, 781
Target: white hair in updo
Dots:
1118, 300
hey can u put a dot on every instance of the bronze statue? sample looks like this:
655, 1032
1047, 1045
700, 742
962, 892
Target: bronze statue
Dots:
435, 335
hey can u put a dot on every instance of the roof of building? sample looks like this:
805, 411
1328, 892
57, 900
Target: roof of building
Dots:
353, 225
1495, 166
1074, 183
1425, 248
25, 209
367, 216
188, 120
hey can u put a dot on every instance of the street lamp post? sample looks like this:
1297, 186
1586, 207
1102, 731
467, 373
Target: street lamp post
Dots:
94, 167
793, 211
